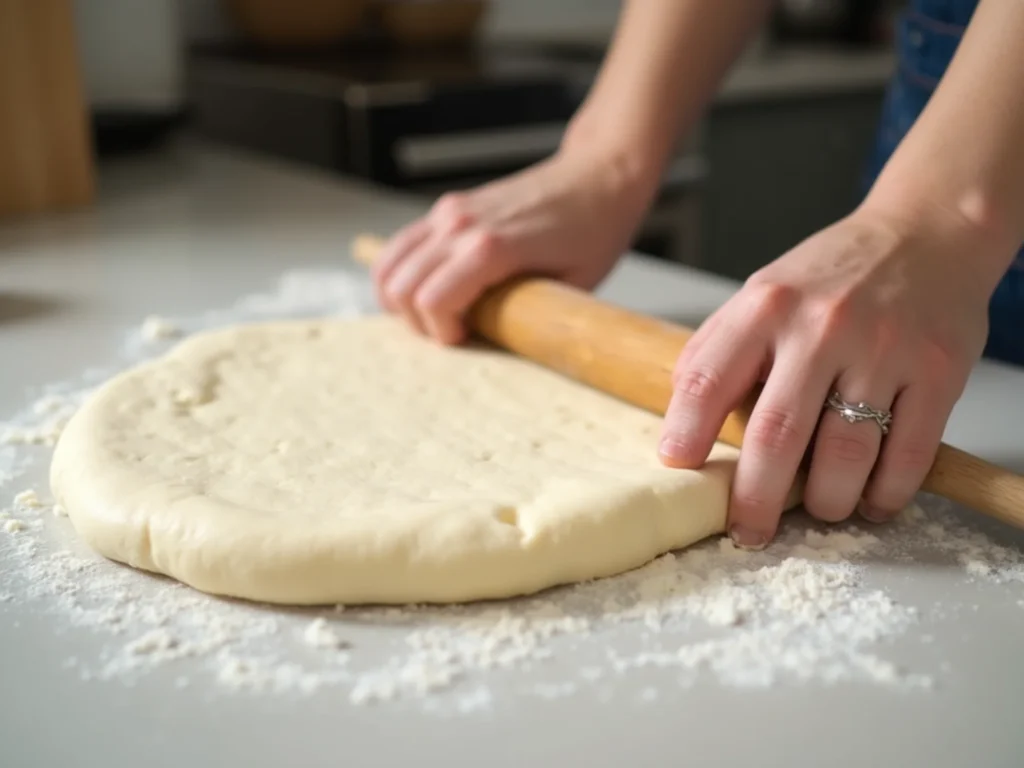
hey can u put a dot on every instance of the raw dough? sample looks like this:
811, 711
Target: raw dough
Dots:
350, 461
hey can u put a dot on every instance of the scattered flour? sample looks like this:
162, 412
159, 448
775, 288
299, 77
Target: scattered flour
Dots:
804, 611
28, 499
156, 641
46, 432
156, 328
48, 405
320, 634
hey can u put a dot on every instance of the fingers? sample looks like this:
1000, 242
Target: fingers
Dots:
717, 368
844, 454
408, 276
777, 435
434, 269
447, 294
435, 285
403, 243
449, 215
919, 418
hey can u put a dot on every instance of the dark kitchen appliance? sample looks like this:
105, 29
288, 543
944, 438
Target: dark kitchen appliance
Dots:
424, 121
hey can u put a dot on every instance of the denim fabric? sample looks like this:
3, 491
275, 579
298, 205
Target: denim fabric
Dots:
926, 39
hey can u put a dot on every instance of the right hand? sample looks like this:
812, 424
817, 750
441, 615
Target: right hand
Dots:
568, 218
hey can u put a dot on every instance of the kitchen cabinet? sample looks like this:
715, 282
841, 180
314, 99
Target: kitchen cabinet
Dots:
780, 168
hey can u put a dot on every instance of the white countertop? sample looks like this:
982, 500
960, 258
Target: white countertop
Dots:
194, 229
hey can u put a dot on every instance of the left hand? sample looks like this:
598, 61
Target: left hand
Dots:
884, 311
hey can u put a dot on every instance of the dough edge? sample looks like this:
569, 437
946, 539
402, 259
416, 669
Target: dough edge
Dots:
230, 553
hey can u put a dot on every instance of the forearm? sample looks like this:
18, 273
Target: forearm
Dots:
965, 154
664, 63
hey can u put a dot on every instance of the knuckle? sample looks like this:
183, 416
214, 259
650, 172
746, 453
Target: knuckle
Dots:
452, 212
769, 298
482, 242
830, 318
775, 431
754, 505
941, 360
698, 383
482, 245
398, 294
429, 302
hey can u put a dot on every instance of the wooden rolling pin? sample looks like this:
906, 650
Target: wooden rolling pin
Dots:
631, 356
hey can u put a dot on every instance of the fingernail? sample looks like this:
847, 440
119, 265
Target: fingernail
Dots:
874, 514
672, 449
747, 538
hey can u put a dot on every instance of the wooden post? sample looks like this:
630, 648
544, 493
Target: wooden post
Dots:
45, 146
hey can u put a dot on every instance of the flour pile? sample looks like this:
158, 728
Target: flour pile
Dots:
808, 610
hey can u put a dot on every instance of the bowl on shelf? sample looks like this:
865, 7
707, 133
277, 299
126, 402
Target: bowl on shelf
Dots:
430, 22
292, 23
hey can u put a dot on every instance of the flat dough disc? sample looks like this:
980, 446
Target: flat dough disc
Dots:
350, 461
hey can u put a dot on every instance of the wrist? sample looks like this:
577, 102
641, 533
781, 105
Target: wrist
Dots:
985, 245
631, 165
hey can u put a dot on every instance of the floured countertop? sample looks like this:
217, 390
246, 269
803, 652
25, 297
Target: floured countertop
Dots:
838, 646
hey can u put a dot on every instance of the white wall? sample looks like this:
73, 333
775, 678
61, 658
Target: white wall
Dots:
130, 52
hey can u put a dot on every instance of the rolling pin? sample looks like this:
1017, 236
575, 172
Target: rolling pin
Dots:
631, 356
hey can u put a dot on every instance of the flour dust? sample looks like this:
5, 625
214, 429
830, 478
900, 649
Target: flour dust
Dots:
809, 610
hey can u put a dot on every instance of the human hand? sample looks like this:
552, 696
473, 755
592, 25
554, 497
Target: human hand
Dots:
568, 218
887, 312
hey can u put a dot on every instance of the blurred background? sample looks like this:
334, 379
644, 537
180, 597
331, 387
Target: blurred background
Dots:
431, 95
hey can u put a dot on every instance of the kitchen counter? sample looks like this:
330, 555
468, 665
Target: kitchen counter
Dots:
196, 228
771, 72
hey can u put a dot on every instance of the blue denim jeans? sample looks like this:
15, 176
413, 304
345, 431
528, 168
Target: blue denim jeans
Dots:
926, 39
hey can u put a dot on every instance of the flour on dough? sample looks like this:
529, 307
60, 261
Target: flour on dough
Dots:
350, 461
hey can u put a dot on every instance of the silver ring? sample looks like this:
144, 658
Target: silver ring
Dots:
859, 412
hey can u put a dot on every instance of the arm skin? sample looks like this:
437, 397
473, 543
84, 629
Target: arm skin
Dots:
664, 64
886, 306
964, 157
571, 216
